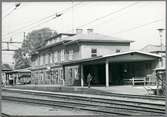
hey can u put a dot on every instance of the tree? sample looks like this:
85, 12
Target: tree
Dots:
34, 40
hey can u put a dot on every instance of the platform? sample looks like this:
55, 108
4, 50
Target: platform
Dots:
123, 89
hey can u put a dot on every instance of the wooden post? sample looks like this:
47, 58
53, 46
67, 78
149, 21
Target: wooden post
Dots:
107, 73
63, 79
82, 82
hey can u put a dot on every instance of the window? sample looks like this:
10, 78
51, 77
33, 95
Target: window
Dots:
38, 60
46, 58
62, 55
50, 57
94, 52
70, 70
55, 56
70, 54
56, 73
41, 59
61, 74
117, 50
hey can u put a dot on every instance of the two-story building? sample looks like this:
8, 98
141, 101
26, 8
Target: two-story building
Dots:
67, 59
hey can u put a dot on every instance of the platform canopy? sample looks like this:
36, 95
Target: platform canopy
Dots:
132, 56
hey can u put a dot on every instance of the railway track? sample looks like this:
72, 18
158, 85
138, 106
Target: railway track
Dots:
110, 105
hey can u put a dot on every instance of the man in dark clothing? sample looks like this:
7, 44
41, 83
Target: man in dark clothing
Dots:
89, 79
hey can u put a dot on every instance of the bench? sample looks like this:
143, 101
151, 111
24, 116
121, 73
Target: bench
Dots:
143, 80
133, 80
138, 80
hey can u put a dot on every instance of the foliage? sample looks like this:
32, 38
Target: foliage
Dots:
6, 67
34, 40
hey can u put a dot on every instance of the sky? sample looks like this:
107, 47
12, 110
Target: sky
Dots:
137, 20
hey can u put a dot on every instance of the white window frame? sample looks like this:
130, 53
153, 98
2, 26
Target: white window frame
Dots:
92, 53
55, 56
71, 53
43, 59
62, 55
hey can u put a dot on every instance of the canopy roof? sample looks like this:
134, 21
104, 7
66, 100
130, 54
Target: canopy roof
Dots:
130, 56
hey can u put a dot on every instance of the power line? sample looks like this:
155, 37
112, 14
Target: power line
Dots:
8, 13
139, 26
45, 18
41, 23
16, 6
111, 13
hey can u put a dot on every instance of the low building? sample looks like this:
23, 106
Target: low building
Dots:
67, 59
19, 76
5, 68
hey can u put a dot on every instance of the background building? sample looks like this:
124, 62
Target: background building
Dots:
66, 59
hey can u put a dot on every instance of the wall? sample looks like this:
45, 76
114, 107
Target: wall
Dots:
72, 76
76, 50
102, 48
44, 76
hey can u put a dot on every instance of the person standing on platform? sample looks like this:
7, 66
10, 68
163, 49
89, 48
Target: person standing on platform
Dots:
89, 79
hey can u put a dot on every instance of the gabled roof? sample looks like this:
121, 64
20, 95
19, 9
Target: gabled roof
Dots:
52, 45
95, 37
60, 34
153, 48
134, 51
92, 37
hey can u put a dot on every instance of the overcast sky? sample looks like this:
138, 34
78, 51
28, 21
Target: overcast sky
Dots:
136, 20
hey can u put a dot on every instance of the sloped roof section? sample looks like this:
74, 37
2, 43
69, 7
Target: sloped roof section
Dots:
129, 56
95, 37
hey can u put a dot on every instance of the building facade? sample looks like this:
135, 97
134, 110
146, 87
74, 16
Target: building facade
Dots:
67, 59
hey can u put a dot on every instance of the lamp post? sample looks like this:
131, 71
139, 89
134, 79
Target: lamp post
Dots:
161, 30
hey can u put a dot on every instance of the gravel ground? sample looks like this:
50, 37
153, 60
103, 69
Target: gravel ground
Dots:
18, 108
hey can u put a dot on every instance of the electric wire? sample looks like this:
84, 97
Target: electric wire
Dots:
109, 14
16, 6
8, 13
45, 18
139, 26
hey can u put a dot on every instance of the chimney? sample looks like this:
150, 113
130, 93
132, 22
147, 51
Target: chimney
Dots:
79, 31
89, 30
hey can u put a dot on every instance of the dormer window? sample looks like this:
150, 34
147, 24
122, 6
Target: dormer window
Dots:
94, 52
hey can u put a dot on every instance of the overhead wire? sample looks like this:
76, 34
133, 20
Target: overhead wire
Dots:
45, 18
16, 6
139, 26
8, 13
109, 14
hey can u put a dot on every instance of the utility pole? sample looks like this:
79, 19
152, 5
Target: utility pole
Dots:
160, 30
24, 36
72, 18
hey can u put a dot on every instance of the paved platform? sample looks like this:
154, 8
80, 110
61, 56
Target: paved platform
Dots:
123, 89
127, 89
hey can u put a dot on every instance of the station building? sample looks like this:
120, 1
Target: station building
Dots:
67, 59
